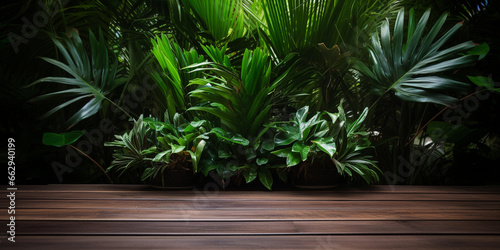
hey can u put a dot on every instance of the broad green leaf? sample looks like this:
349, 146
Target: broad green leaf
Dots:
480, 50
162, 156
486, 82
262, 161
282, 152
177, 148
302, 149
293, 159
444, 131
266, 177
250, 174
326, 145
250, 154
63, 139
268, 145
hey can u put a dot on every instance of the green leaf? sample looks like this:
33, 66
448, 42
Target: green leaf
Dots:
208, 168
486, 82
250, 174
282, 152
239, 140
444, 131
92, 77
417, 74
148, 172
300, 147
163, 156
262, 161
480, 50
268, 145
196, 156
223, 154
63, 139
266, 177
221, 133
293, 159
177, 148
326, 145
250, 154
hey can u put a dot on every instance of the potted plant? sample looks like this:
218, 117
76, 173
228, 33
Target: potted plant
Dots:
178, 149
326, 145
166, 153
131, 150
234, 159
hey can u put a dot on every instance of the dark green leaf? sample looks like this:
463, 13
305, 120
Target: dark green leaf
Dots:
266, 177
63, 139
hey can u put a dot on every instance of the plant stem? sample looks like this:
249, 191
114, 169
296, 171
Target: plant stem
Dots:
119, 107
90, 158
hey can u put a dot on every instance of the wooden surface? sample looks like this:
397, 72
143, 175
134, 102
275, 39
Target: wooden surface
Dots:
139, 217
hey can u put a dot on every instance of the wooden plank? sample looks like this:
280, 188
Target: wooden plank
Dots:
255, 242
171, 228
398, 227
111, 214
252, 195
255, 204
212, 186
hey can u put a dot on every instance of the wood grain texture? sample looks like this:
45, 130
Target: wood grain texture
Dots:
326, 227
253, 195
137, 216
428, 242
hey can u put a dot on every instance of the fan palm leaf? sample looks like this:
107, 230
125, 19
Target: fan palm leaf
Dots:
223, 19
92, 76
413, 68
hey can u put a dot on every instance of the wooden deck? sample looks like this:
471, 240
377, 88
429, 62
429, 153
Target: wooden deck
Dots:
138, 217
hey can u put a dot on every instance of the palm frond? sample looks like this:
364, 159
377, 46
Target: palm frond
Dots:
414, 68
92, 76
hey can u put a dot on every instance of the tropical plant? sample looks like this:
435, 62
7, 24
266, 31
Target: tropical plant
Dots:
293, 25
91, 76
413, 67
179, 139
410, 69
334, 138
132, 149
172, 81
325, 34
243, 99
223, 20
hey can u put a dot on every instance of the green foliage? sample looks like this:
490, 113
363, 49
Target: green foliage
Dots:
62, 139
326, 135
176, 136
132, 148
294, 25
242, 100
224, 19
172, 81
92, 76
412, 63
229, 154
236, 69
